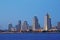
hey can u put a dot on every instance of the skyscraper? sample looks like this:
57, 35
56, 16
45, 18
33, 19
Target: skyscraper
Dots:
58, 26
35, 25
24, 26
47, 22
9, 27
18, 26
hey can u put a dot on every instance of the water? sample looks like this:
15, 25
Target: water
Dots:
30, 36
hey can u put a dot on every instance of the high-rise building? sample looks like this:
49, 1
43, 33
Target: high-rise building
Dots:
24, 26
9, 27
47, 22
35, 25
18, 26
58, 26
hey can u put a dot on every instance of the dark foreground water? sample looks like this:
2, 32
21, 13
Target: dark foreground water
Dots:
30, 36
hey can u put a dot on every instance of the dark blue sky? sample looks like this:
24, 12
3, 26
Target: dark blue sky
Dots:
13, 10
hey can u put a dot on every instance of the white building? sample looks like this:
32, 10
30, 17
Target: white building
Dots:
47, 22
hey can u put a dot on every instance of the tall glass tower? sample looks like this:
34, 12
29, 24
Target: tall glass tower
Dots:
36, 25
9, 27
18, 27
47, 22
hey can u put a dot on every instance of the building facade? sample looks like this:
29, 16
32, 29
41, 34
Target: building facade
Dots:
24, 26
18, 26
9, 27
58, 26
35, 25
47, 22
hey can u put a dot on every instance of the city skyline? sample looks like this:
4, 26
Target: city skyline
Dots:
23, 25
11, 11
35, 27
47, 18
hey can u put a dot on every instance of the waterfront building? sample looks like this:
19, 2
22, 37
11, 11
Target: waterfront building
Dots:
13, 29
35, 25
9, 27
58, 26
25, 26
18, 26
47, 22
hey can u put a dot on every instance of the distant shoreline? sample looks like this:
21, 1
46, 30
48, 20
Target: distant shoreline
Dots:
25, 32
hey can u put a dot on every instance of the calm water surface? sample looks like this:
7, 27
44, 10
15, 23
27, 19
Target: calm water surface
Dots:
30, 36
